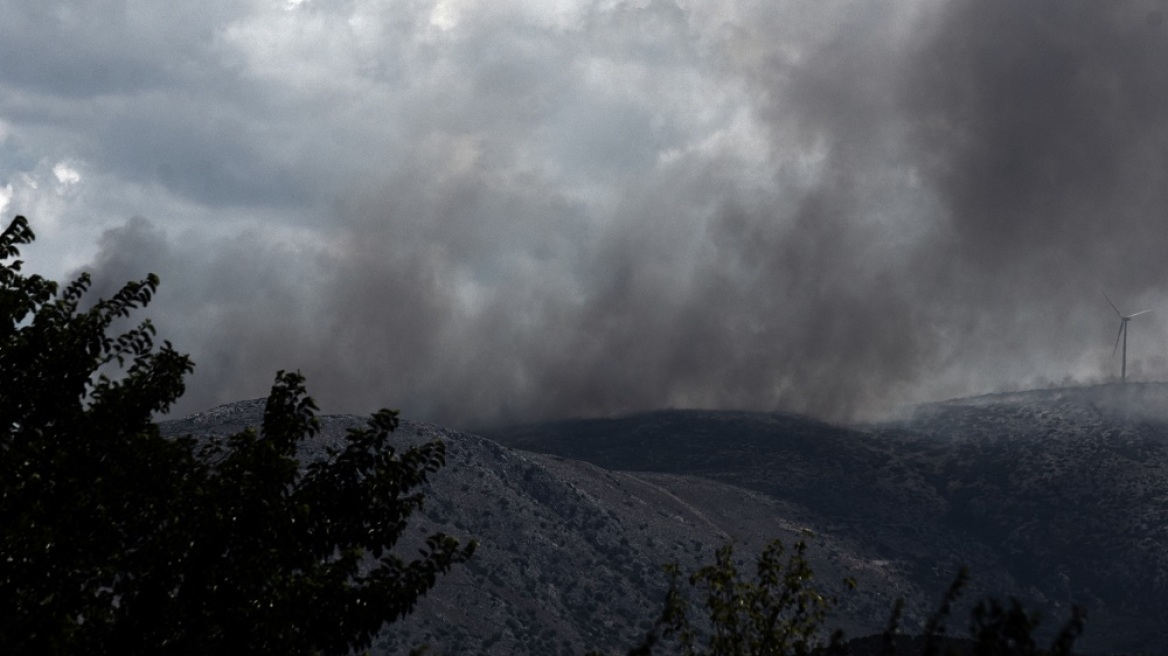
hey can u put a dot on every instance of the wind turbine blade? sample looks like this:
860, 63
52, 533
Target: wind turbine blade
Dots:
1138, 313
1112, 305
1120, 334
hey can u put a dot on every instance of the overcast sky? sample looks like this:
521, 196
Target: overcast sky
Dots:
506, 210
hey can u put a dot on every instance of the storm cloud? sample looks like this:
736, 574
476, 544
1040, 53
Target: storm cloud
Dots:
507, 211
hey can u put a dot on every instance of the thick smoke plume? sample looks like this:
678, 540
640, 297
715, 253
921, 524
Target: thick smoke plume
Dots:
889, 203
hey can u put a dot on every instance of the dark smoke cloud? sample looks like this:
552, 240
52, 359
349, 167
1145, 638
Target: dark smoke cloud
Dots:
940, 199
1040, 128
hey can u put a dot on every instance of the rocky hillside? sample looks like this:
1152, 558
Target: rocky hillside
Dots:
1069, 490
570, 555
1052, 496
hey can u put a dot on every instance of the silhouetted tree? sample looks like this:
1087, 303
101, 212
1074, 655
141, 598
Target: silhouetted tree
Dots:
778, 611
117, 540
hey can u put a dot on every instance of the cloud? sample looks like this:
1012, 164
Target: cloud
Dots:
505, 211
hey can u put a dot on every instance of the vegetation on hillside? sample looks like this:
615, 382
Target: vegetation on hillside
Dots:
782, 611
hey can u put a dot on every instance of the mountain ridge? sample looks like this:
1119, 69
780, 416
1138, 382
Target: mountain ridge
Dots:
572, 539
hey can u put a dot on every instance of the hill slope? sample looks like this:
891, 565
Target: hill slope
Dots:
1052, 496
570, 554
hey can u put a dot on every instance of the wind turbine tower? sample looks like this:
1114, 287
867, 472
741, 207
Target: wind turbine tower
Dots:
1123, 321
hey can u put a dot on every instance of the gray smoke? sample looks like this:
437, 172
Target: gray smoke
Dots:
939, 197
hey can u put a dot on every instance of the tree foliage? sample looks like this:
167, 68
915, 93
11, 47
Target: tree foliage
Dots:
117, 540
781, 611
995, 629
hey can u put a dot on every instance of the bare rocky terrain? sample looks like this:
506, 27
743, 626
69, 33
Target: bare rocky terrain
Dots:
1053, 496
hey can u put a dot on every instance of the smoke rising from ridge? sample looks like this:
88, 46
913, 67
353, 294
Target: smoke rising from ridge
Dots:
829, 210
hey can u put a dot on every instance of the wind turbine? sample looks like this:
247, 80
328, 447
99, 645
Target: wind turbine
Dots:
1123, 319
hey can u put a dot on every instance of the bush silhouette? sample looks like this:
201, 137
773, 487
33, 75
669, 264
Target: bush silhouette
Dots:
782, 611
